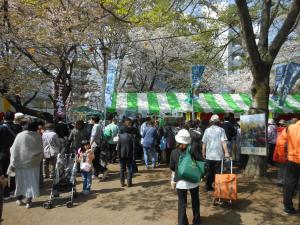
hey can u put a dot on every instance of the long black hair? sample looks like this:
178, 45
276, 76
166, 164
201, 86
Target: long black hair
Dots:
83, 143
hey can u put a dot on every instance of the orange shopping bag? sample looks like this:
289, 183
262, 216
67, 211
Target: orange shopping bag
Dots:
225, 185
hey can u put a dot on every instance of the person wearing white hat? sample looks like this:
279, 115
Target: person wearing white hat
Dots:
213, 148
183, 139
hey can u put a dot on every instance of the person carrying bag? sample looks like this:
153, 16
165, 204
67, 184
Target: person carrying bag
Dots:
183, 164
189, 169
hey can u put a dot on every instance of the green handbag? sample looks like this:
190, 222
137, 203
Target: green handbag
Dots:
190, 169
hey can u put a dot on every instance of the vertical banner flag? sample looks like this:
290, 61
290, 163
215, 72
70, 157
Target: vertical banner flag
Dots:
110, 83
279, 75
196, 76
197, 72
292, 73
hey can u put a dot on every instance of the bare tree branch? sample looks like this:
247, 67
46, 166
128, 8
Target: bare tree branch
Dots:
264, 27
32, 59
285, 30
248, 33
31, 99
274, 12
113, 14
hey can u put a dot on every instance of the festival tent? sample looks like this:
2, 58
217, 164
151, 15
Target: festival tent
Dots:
87, 112
5, 106
159, 103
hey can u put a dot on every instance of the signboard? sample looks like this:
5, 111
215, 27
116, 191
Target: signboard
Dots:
197, 72
110, 83
253, 134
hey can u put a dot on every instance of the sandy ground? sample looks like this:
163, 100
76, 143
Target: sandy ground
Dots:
151, 202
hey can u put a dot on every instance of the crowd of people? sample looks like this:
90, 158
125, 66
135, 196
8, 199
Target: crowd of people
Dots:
29, 150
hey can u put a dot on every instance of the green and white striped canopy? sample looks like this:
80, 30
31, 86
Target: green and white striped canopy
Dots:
159, 103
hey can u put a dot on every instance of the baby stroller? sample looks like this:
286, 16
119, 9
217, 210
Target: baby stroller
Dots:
64, 180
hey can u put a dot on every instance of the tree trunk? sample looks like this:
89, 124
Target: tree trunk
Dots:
104, 81
257, 165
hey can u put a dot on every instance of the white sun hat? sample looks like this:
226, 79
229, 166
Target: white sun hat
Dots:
214, 118
19, 116
183, 137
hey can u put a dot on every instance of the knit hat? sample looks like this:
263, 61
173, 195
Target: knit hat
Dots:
282, 122
183, 137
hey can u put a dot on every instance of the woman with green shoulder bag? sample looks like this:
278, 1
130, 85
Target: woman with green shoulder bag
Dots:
186, 174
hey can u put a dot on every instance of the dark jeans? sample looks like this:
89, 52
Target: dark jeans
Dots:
99, 162
112, 153
291, 183
4, 163
124, 162
212, 168
1, 202
271, 148
243, 161
168, 155
87, 180
182, 204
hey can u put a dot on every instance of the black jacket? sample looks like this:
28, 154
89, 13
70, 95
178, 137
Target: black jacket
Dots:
196, 144
62, 130
126, 144
229, 130
174, 160
7, 138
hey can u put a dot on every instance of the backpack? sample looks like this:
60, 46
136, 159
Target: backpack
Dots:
107, 132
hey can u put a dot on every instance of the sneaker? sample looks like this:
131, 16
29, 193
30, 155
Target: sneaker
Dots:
28, 205
6, 198
290, 211
86, 192
105, 174
19, 202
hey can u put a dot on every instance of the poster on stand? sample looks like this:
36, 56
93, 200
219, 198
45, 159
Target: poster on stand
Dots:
253, 134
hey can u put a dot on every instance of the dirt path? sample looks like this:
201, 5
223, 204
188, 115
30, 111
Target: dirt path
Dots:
151, 202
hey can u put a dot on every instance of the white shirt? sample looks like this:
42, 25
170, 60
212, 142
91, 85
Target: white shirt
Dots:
96, 135
213, 138
143, 127
51, 143
183, 184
